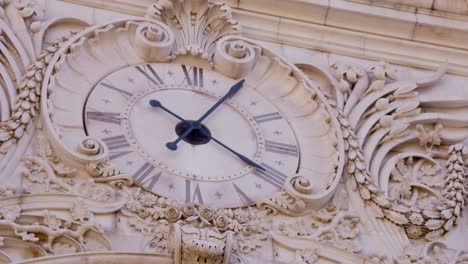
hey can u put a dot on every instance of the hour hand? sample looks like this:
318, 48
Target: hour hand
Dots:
157, 104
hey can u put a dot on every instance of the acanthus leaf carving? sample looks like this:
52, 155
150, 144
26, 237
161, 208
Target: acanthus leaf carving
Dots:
197, 24
430, 222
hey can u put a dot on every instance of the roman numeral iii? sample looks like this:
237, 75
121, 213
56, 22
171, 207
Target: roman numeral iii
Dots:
281, 148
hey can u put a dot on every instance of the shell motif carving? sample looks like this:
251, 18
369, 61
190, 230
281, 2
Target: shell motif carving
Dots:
197, 24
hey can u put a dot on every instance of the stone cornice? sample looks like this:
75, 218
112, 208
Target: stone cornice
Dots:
405, 37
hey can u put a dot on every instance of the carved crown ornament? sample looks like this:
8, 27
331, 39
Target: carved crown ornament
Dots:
390, 162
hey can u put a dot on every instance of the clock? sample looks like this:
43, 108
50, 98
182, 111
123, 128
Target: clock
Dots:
225, 132
203, 168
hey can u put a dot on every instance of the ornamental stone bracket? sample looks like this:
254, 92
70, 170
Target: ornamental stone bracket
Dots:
193, 245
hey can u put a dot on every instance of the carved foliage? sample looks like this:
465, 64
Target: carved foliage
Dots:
152, 215
197, 24
433, 222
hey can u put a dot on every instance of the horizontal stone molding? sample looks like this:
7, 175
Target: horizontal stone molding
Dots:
315, 24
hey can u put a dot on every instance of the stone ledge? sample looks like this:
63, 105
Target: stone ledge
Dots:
312, 28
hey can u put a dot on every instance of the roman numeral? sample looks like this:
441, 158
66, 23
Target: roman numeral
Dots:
267, 117
188, 193
120, 91
271, 175
197, 76
152, 76
281, 148
141, 176
115, 145
243, 197
108, 117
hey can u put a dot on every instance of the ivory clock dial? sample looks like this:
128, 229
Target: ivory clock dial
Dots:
118, 112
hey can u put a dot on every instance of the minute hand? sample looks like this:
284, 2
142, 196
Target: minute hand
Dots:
197, 124
234, 89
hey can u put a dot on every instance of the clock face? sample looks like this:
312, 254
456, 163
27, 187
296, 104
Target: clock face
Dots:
241, 152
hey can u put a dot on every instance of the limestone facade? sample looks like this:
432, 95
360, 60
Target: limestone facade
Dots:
374, 94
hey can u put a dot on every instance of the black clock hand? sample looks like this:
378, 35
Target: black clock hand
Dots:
157, 104
197, 124
240, 156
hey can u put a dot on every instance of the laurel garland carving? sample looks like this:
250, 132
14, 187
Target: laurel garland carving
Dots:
429, 222
20, 84
197, 24
27, 103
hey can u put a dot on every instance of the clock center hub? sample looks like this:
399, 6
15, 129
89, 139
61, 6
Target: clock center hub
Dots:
200, 135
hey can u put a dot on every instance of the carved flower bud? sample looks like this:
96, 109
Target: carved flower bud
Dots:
344, 86
416, 218
172, 214
221, 221
148, 199
414, 232
206, 213
19, 4
241, 216
35, 27
386, 121
381, 104
157, 214
143, 213
189, 210
247, 230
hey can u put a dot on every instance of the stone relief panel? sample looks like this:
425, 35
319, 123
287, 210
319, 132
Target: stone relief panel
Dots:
389, 184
